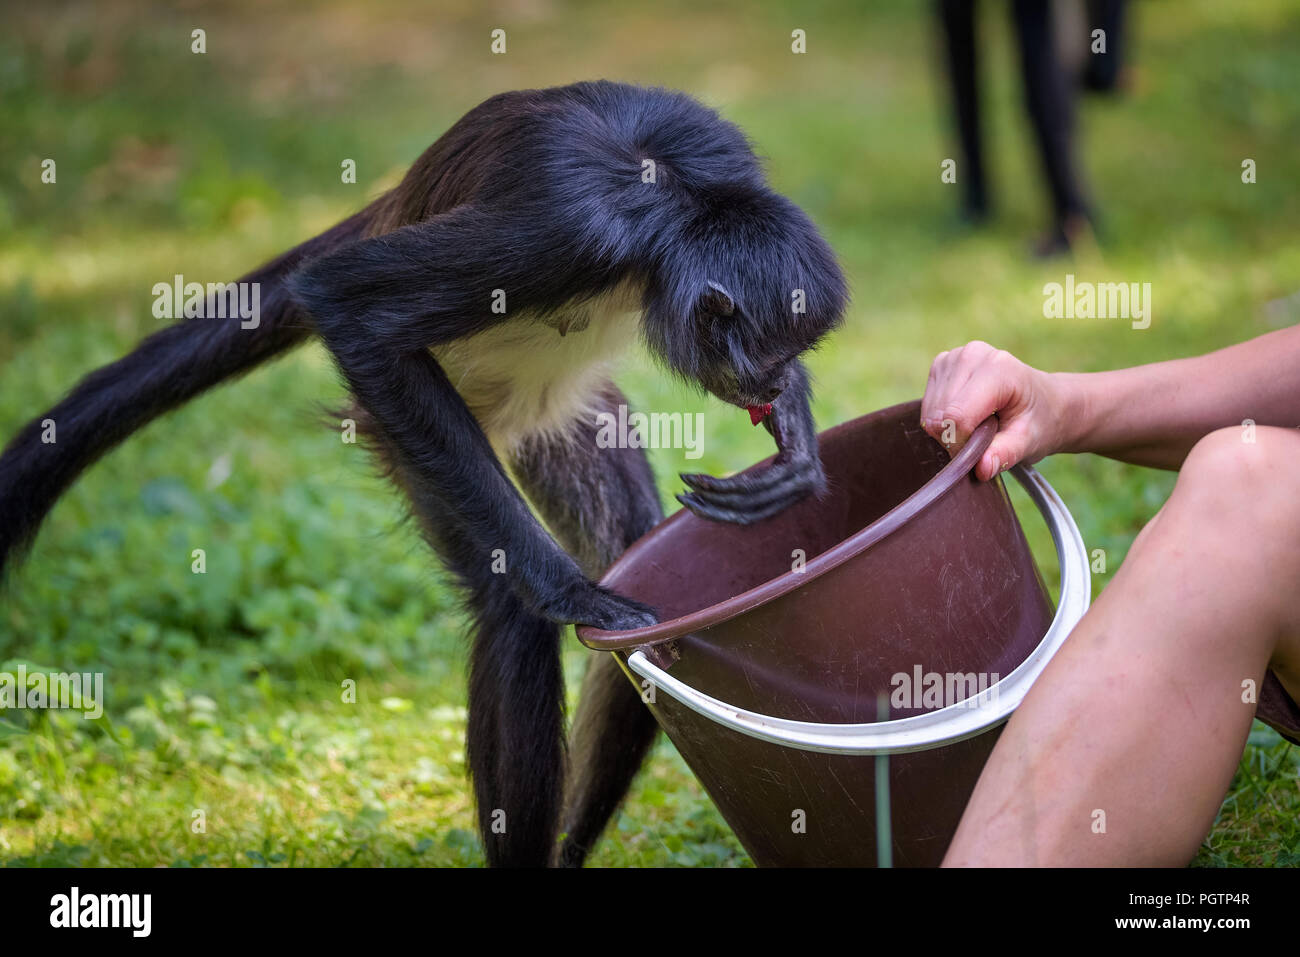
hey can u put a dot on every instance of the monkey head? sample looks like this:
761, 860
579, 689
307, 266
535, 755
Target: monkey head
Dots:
746, 286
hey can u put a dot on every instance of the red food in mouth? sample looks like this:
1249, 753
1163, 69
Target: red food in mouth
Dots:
757, 413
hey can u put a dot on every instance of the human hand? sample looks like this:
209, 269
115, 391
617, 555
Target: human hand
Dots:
974, 381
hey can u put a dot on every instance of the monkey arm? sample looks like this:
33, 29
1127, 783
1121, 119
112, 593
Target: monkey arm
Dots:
793, 474
379, 305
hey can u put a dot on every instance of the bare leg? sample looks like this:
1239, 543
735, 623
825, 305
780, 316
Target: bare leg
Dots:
1140, 715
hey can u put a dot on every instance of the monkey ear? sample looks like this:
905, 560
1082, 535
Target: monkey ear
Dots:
716, 301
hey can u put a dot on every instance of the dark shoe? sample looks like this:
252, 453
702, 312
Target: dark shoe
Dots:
1064, 237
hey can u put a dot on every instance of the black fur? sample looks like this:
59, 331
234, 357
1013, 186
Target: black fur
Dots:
166, 370
618, 503
538, 193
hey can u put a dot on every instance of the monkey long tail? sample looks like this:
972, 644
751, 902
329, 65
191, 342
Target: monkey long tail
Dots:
165, 370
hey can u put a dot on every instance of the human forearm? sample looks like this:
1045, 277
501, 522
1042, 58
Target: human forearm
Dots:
1152, 415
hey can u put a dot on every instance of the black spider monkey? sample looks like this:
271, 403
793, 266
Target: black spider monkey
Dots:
544, 198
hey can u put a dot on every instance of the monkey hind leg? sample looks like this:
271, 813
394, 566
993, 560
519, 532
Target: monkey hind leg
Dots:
515, 740
612, 733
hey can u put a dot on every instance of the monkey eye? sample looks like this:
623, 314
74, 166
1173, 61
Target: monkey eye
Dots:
716, 301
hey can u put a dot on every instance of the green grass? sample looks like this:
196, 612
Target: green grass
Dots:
224, 690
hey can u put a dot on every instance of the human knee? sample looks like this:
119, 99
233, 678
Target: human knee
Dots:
1247, 473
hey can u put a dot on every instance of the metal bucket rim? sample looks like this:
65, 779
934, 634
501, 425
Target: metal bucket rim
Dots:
906, 511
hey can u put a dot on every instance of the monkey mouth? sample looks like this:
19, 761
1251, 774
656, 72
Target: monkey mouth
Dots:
758, 402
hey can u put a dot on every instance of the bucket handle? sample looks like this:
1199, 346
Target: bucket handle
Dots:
958, 721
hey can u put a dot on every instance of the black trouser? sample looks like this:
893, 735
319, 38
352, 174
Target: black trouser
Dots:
1102, 71
1048, 98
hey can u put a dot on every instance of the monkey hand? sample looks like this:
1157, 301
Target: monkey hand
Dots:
586, 603
751, 497
757, 494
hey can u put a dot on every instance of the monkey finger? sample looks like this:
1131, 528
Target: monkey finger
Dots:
614, 612
719, 513
746, 482
711, 483
586, 603
763, 488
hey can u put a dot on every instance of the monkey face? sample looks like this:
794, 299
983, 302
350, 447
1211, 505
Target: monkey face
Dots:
744, 359
741, 287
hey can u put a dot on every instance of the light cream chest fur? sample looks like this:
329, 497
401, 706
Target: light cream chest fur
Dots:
522, 376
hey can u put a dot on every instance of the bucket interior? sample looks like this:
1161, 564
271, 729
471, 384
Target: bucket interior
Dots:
951, 596
952, 592
872, 465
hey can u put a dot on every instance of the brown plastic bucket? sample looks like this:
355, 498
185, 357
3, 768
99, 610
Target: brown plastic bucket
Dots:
843, 669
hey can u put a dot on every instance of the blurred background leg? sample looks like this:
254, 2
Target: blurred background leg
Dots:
957, 18
1102, 70
1050, 102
